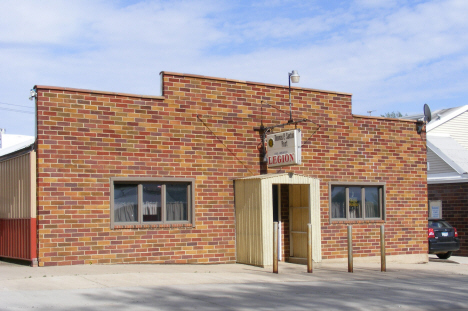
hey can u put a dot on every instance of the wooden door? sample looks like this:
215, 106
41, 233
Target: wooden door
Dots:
298, 218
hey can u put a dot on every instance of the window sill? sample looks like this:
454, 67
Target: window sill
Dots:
154, 226
357, 221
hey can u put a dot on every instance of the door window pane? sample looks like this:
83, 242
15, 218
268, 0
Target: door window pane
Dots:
355, 204
176, 202
372, 202
125, 203
338, 202
152, 202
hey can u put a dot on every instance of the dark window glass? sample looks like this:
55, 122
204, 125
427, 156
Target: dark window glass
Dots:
152, 202
439, 224
125, 203
176, 202
338, 202
355, 202
157, 201
372, 202
362, 202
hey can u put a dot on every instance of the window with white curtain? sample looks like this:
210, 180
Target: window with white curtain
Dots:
351, 201
149, 200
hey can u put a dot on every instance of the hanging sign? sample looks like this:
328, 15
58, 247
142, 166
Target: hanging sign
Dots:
284, 148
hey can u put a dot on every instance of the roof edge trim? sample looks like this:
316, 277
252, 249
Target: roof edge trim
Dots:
68, 89
249, 82
449, 117
384, 118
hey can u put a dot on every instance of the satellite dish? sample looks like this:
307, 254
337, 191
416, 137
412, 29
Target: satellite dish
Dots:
427, 113
427, 118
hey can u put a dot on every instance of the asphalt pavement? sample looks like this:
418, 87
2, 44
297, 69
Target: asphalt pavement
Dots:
436, 285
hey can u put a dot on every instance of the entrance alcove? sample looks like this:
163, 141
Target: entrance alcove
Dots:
256, 200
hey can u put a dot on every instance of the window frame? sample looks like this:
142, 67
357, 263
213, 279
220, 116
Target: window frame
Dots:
139, 181
382, 199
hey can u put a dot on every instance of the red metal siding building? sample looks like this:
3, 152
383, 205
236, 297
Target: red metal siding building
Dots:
18, 205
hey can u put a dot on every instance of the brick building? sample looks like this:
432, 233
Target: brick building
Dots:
126, 178
447, 176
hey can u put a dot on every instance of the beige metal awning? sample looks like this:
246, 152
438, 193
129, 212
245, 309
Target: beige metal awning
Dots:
254, 215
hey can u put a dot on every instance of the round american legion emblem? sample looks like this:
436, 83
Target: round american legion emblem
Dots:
270, 142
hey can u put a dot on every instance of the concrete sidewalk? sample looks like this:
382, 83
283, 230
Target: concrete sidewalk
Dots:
14, 277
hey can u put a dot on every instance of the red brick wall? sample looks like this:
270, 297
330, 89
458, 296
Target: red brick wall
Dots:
454, 199
86, 138
204, 128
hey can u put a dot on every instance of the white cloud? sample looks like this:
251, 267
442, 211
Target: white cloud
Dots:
170, 26
378, 4
390, 54
45, 22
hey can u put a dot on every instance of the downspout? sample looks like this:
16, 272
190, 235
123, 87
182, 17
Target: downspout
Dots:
33, 179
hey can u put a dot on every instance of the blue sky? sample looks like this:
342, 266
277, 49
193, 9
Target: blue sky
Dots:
391, 55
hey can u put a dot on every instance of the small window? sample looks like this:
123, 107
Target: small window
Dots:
356, 202
151, 201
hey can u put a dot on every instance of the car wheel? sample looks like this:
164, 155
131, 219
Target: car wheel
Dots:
445, 255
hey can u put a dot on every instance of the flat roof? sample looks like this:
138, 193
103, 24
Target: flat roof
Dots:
12, 143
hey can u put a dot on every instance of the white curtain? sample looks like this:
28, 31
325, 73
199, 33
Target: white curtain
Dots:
176, 211
126, 212
151, 208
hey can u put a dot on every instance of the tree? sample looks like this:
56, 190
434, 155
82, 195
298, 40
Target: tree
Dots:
392, 114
